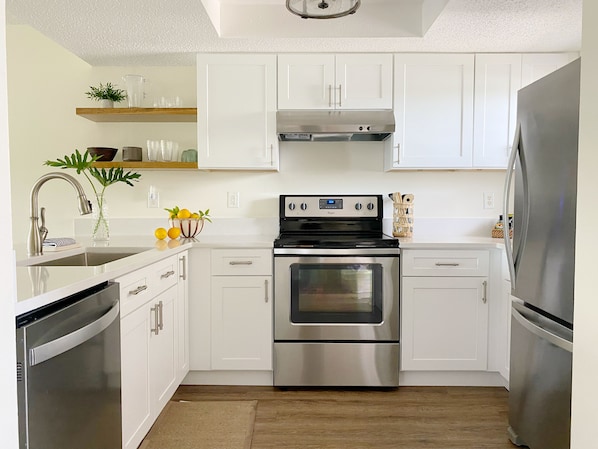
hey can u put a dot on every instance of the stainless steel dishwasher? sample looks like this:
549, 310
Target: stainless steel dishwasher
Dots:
68, 370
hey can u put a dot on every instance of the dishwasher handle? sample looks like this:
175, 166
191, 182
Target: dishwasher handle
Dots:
51, 349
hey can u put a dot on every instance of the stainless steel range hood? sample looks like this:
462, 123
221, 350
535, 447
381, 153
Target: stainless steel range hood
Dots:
334, 126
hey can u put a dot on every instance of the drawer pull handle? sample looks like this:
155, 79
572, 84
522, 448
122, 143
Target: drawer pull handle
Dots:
485, 288
156, 328
138, 290
241, 262
447, 264
161, 315
266, 290
167, 274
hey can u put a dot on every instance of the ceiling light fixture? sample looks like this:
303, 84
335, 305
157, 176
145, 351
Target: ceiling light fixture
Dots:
323, 9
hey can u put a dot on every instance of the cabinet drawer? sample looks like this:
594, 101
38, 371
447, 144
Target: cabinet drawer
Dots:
445, 263
164, 274
135, 290
245, 262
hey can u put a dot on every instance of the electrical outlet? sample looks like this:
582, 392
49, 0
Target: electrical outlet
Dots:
232, 199
153, 197
488, 200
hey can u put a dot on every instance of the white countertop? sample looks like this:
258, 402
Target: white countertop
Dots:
445, 242
38, 286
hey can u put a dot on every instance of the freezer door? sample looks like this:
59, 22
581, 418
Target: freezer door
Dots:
545, 192
540, 381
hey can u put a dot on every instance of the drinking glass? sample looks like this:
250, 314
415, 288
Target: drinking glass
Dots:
153, 150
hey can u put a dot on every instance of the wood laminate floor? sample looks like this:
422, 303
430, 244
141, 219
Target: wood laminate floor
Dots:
407, 417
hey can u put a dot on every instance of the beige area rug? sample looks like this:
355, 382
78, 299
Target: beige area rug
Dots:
203, 425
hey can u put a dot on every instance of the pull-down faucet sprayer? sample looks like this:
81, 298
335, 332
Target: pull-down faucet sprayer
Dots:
38, 233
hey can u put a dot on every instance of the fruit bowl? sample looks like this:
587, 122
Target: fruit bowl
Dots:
189, 227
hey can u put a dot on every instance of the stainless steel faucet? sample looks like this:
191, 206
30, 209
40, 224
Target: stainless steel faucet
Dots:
37, 233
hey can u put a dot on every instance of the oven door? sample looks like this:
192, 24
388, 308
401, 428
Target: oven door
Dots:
336, 298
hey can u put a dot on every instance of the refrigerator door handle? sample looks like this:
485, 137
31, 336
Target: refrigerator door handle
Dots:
541, 332
505, 212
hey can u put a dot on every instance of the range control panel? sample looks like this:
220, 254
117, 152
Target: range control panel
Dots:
330, 206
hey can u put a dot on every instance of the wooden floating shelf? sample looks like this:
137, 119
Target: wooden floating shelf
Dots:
138, 114
148, 165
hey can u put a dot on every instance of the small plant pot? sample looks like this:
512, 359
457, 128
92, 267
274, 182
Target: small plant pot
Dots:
106, 103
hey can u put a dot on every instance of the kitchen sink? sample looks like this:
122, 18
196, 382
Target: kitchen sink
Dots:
88, 258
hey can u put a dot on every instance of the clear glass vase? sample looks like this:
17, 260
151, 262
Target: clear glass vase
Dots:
100, 231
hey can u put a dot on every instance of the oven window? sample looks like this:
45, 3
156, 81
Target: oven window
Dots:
336, 293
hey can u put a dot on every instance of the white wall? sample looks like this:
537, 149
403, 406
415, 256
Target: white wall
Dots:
8, 384
46, 84
585, 338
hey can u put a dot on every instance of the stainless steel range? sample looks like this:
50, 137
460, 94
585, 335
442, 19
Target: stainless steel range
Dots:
336, 293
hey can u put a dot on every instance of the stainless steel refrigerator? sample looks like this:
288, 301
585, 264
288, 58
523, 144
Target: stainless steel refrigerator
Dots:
542, 259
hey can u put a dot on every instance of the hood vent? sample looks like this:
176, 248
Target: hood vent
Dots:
334, 126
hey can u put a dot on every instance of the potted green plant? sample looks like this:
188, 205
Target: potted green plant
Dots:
83, 163
107, 94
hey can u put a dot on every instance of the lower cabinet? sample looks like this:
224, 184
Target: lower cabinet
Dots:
242, 323
148, 365
445, 323
154, 355
241, 310
445, 307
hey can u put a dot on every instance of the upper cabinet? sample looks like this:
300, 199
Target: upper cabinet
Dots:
459, 111
236, 113
537, 65
328, 81
433, 106
497, 79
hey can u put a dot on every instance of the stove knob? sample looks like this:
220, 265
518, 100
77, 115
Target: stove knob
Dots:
303, 206
358, 206
370, 206
291, 206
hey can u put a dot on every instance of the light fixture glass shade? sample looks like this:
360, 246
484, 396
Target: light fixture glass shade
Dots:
323, 9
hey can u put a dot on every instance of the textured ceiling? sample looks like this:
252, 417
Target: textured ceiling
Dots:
158, 32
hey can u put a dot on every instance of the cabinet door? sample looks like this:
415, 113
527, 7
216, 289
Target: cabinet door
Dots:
135, 379
363, 81
236, 114
242, 323
162, 349
497, 79
306, 81
535, 66
433, 105
444, 324
182, 315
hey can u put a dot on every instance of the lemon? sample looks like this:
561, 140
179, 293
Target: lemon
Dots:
195, 216
183, 213
174, 233
160, 233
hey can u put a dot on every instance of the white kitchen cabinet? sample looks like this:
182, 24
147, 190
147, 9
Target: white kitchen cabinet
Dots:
236, 114
329, 81
135, 377
241, 310
149, 345
182, 314
537, 65
444, 310
433, 106
497, 80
